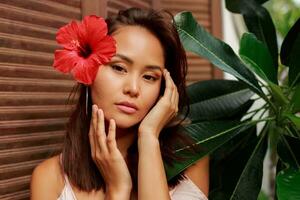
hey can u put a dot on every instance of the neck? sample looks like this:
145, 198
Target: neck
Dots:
124, 138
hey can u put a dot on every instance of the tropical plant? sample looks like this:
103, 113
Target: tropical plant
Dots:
222, 118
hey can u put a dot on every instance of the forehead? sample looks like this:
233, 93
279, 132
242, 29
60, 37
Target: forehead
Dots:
139, 44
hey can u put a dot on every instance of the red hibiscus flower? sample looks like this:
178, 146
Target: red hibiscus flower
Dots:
86, 46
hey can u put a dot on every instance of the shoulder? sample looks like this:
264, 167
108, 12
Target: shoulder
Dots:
199, 174
47, 180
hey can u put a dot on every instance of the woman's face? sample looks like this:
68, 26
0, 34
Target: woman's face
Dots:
128, 86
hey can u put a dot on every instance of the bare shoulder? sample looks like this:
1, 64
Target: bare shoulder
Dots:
46, 180
199, 174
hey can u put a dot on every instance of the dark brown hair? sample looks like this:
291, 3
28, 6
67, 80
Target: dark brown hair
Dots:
77, 161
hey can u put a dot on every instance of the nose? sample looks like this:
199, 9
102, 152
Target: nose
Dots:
131, 86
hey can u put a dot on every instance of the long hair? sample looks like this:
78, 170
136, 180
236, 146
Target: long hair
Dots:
77, 160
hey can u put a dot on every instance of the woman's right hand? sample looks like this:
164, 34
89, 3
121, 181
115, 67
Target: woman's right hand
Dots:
107, 156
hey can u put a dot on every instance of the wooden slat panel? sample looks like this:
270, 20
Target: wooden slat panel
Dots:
18, 169
45, 6
27, 29
14, 184
33, 112
31, 99
31, 71
199, 68
27, 43
30, 139
73, 3
113, 6
20, 195
33, 95
35, 85
30, 16
30, 126
25, 57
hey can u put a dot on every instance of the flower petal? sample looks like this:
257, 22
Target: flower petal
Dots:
85, 71
86, 46
106, 49
96, 29
65, 60
69, 34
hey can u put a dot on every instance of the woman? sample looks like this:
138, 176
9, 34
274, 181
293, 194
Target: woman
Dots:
123, 126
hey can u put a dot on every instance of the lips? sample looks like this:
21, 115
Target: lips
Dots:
127, 107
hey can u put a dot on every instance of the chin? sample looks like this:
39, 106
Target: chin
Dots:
125, 123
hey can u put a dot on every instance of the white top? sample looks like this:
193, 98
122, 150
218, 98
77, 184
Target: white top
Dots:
185, 190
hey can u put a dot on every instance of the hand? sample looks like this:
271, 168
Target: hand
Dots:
107, 156
163, 112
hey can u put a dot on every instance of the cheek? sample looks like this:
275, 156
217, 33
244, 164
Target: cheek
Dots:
100, 90
150, 97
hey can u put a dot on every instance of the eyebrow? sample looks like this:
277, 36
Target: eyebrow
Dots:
123, 57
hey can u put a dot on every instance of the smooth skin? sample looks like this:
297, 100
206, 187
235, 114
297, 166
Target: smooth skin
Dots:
112, 131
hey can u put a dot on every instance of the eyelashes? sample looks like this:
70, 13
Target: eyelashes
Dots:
118, 68
123, 70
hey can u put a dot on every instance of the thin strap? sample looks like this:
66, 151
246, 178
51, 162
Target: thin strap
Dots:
68, 185
66, 179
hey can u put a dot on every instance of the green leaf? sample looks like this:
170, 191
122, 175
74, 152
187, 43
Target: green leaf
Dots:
295, 100
208, 136
294, 119
232, 100
278, 95
288, 150
259, 22
290, 53
236, 6
196, 39
227, 163
203, 90
255, 53
249, 183
288, 182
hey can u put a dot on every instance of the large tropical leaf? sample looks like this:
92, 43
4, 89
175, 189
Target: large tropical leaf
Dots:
236, 6
218, 99
257, 55
288, 150
259, 22
227, 164
208, 136
290, 53
295, 100
196, 39
208, 89
288, 182
249, 183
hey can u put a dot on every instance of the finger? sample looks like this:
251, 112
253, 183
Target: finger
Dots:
94, 117
92, 131
92, 142
101, 136
168, 90
174, 95
111, 137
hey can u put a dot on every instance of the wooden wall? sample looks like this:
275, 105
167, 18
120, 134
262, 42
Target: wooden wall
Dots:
208, 14
33, 95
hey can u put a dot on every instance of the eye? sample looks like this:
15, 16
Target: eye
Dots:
150, 78
118, 68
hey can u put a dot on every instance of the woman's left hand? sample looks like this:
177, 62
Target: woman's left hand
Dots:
163, 112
